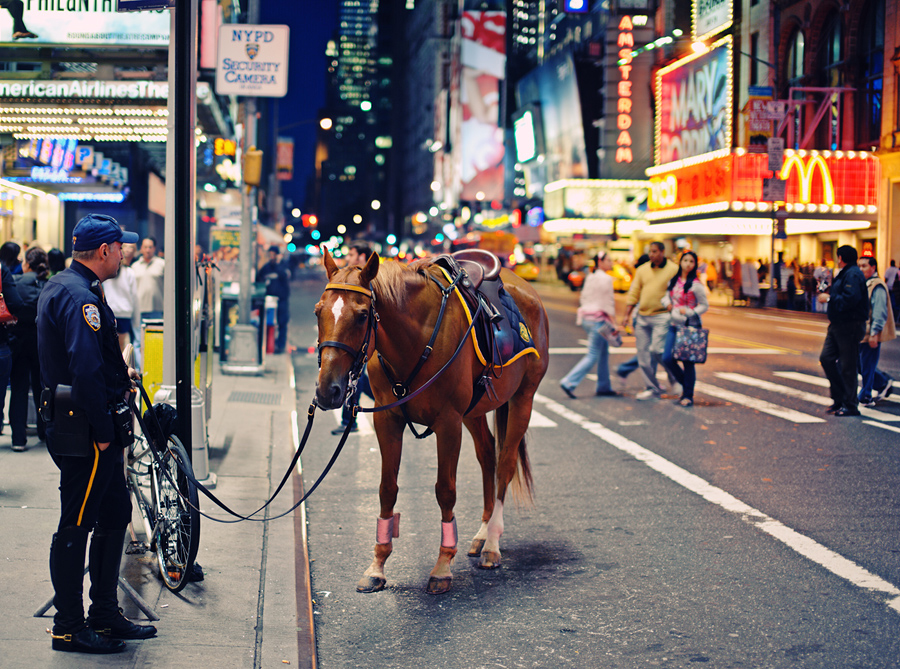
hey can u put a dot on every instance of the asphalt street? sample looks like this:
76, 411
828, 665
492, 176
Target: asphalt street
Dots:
751, 530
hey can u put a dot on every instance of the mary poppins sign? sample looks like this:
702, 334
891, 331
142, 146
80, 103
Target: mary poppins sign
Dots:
693, 104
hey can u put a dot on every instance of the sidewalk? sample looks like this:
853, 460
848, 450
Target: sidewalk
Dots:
252, 609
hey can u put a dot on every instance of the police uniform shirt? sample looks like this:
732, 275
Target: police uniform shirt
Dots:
78, 346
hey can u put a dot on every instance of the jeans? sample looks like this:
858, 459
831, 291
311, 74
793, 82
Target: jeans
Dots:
650, 338
25, 373
872, 377
627, 367
686, 376
283, 316
598, 352
840, 359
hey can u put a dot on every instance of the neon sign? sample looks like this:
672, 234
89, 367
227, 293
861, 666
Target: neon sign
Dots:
625, 43
805, 173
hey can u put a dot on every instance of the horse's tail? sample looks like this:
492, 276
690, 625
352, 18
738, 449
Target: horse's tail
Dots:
522, 484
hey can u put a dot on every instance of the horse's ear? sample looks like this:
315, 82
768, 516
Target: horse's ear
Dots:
330, 267
370, 270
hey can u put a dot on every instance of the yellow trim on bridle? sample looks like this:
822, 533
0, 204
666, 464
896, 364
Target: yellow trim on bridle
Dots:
348, 286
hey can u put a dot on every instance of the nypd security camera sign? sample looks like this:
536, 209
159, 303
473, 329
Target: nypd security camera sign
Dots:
252, 60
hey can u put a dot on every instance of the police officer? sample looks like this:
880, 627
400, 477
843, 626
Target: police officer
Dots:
78, 348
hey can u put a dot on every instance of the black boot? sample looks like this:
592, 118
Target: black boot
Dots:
104, 616
67, 575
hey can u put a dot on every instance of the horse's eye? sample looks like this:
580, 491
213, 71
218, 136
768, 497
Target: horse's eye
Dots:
362, 317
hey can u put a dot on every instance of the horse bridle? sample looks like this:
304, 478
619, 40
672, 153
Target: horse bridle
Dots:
360, 357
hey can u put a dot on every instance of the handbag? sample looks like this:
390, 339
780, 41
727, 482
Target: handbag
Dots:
608, 332
6, 317
690, 343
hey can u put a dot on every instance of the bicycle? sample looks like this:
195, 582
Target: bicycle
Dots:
160, 481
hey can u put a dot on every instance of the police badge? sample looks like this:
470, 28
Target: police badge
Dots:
92, 316
252, 50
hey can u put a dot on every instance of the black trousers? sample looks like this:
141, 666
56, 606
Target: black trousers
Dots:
17, 9
840, 360
25, 374
92, 490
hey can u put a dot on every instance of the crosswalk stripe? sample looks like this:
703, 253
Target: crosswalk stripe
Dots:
787, 391
759, 405
819, 381
803, 545
712, 350
362, 422
540, 420
882, 426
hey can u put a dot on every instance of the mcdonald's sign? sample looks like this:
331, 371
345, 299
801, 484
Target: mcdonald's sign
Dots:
817, 181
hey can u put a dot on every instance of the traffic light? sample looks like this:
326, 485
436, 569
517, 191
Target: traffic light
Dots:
252, 166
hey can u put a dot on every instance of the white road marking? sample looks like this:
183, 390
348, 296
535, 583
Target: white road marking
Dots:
787, 391
821, 382
882, 426
825, 557
712, 350
781, 319
759, 405
540, 420
337, 307
806, 332
362, 422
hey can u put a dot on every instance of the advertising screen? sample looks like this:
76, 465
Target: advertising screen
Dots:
694, 103
84, 22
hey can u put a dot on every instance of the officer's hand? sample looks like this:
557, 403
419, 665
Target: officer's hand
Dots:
103, 446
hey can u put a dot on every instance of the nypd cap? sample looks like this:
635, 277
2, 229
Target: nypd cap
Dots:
96, 229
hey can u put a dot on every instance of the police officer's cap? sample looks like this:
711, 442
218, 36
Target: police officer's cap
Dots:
96, 229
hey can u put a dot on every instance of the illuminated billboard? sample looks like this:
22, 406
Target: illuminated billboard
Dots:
85, 23
483, 67
694, 104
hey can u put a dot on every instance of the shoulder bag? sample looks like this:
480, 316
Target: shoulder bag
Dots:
6, 316
691, 342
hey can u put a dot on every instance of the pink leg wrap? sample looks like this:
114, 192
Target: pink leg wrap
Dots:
449, 537
388, 528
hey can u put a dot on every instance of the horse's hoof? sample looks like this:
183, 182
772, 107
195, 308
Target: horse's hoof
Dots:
489, 560
475, 549
439, 585
371, 584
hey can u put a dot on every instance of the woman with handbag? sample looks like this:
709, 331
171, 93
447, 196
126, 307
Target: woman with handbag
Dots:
685, 300
597, 315
10, 305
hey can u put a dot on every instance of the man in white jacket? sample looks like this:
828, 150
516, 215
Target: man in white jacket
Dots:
122, 297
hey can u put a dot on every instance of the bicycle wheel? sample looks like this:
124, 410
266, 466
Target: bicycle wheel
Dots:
177, 532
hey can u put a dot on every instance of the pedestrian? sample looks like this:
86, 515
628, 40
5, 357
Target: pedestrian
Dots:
848, 310
149, 271
9, 256
122, 298
16, 9
879, 328
890, 278
56, 259
83, 370
596, 313
631, 365
10, 294
685, 300
357, 256
25, 372
278, 284
652, 324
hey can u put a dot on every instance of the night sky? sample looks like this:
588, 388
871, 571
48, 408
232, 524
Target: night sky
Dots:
312, 24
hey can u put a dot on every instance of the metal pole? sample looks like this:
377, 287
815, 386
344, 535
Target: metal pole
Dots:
185, 188
248, 198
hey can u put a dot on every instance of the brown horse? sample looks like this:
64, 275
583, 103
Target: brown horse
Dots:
407, 303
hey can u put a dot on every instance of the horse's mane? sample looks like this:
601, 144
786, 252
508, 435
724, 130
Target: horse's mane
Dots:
394, 277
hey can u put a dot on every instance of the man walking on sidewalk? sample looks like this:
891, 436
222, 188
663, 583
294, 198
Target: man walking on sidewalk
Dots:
652, 323
848, 309
82, 368
879, 328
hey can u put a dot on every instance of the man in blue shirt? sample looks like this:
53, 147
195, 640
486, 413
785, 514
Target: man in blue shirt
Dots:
78, 348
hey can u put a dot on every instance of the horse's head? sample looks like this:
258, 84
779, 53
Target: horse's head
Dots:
345, 313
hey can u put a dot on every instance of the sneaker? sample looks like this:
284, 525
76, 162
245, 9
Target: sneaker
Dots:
834, 407
648, 394
885, 392
567, 391
866, 402
606, 393
676, 389
340, 430
686, 402
19, 448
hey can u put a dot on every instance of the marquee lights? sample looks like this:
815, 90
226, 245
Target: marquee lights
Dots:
625, 43
595, 183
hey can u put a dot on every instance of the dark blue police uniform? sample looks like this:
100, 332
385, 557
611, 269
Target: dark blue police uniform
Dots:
78, 346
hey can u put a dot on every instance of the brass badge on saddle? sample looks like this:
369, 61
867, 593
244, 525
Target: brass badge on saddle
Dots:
524, 333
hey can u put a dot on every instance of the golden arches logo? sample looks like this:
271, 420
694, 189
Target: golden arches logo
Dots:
806, 172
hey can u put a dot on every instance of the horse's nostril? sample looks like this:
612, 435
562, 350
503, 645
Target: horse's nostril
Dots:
336, 392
